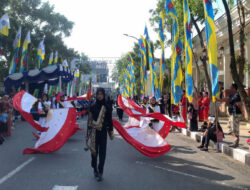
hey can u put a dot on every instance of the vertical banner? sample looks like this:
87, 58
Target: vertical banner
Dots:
188, 52
16, 46
211, 46
24, 58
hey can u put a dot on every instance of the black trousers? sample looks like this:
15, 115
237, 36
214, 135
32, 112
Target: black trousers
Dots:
119, 113
101, 147
194, 121
209, 136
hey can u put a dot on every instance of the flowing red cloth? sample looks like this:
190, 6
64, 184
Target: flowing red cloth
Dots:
145, 140
184, 108
205, 105
201, 117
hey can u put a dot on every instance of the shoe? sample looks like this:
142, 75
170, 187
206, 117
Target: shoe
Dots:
204, 149
96, 174
99, 178
235, 144
201, 146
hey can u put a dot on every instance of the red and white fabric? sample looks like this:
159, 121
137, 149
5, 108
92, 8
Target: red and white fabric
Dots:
146, 140
61, 125
165, 121
23, 102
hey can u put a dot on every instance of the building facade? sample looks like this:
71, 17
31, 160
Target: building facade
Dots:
225, 77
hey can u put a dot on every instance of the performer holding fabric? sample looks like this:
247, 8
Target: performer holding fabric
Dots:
99, 123
61, 103
205, 106
153, 108
43, 108
144, 103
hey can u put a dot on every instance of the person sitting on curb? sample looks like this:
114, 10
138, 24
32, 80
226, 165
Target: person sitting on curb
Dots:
234, 109
210, 134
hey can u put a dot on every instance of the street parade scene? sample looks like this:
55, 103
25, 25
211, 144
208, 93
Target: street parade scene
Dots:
145, 94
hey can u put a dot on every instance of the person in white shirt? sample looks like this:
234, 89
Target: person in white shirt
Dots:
63, 103
144, 103
153, 108
43, 108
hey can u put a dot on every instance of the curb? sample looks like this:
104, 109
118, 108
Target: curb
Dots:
235, 153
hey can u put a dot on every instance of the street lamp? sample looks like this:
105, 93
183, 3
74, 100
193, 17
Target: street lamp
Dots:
131, 37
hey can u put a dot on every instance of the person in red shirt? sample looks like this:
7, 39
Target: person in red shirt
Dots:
205, 106
184, 103
200, 107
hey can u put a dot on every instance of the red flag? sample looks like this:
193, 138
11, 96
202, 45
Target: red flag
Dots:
61, 126
23, 102
145, 140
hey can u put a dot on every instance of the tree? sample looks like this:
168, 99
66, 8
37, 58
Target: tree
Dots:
197, 16
43, 22
237, 72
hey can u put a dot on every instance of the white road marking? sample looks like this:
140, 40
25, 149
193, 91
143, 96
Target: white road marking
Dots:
57, 187
13, 172
190, 175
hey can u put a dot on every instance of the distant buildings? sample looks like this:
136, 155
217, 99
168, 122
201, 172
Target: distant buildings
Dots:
100, 68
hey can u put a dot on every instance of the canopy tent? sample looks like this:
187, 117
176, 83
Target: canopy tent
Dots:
37, 78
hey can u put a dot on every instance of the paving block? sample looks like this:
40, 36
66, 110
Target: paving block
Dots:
247, 159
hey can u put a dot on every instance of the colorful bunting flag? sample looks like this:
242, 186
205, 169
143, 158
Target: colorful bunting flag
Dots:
40, 54
25, 52
211, 46
4, 25
56, 58
16, 46
188, 52
51, 58
176, 71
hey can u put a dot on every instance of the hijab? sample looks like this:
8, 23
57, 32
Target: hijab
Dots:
98, 105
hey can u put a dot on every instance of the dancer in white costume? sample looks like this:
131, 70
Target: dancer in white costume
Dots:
43, 107
153, 108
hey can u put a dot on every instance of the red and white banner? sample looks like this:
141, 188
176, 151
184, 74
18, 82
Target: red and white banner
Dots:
23, 102
162, 127
146, 140
61, 125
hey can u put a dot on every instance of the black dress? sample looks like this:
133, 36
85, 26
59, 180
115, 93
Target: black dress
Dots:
101, 136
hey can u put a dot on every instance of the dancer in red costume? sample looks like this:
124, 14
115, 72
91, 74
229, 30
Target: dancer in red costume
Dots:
205, 106
184, 103
201, 117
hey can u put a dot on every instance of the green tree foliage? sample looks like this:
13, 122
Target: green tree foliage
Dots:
43, 22
84, 66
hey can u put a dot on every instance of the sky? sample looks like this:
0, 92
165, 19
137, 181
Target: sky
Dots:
100, 24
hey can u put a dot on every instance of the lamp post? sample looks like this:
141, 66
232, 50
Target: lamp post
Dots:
131, 37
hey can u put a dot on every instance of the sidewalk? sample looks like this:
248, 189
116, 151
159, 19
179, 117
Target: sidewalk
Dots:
242, 153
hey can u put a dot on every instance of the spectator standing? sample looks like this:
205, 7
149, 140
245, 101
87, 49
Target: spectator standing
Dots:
235, 112
205, 106
200, 110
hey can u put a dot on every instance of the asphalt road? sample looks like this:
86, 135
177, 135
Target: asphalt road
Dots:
184, 167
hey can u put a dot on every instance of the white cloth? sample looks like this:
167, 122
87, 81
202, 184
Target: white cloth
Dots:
157, 109
66, 104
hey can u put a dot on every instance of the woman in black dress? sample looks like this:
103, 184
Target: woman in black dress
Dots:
99, 124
